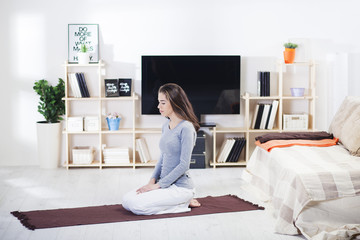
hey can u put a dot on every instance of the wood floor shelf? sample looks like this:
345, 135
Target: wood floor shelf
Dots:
284, 99
95, 82
100, 104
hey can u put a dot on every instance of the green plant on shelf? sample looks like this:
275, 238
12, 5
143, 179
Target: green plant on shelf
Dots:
290, 45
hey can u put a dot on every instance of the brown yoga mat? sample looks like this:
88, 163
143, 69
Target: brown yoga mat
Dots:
116, 213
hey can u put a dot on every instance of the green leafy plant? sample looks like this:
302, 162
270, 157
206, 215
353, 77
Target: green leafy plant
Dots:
51, 105
290, 45
83, 48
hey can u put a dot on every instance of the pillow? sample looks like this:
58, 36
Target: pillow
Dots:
350, 134
346, 126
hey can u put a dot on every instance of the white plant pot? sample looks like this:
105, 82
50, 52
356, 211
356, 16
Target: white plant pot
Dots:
49, 144
83, 58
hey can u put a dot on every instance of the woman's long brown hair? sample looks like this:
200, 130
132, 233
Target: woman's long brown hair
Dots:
180, 103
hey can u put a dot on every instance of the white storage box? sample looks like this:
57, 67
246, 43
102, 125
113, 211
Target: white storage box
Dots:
295, 121
83, 155
91, 123
75, 124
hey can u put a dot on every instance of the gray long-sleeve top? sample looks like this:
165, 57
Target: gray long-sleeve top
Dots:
176, 146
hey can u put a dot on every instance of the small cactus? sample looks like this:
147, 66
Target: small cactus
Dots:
83, 48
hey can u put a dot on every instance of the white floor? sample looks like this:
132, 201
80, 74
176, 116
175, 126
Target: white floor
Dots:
31, 188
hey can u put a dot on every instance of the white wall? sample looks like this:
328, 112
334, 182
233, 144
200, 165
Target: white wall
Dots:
34, 45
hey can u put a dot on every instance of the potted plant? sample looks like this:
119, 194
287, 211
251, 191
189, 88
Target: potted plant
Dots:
51, 106
83, 54
289, 53
113, 121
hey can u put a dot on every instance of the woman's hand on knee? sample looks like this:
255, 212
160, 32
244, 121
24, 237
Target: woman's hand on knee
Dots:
152, 181
148, 187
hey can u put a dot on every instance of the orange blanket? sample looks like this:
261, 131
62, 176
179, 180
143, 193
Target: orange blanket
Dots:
269, 145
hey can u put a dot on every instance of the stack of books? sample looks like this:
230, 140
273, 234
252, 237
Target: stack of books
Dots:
263, 84
230, 150
264, 115
143, 150
78, 85
116, 155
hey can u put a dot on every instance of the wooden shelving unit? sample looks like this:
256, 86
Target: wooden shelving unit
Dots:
97, 98
280, 96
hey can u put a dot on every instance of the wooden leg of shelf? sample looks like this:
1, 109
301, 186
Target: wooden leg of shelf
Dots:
214, 147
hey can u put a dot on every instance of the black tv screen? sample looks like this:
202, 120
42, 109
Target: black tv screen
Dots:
212, 83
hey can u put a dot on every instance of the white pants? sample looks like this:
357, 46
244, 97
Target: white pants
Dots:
164, 200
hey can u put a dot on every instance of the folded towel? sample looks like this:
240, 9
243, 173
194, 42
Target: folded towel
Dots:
294, 135
269, 145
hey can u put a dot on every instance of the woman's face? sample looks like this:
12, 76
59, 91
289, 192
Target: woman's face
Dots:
164, 105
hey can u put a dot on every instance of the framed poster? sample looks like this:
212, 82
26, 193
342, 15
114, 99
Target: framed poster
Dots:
125, 87
111, 87
87, 34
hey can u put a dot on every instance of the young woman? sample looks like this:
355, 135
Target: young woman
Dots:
170, 189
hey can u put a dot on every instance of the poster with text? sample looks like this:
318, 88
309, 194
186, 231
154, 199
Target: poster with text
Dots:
125, 87
87, 34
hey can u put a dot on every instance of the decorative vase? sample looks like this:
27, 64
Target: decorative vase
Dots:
289, 55
113, 124
83, 58
48, 140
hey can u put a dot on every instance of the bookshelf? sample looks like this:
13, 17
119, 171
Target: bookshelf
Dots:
285, 101
101, 105
130, 133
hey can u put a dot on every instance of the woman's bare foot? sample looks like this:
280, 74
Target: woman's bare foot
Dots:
194, 203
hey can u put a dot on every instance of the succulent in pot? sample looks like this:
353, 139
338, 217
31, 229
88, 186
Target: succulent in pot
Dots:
289, 53
83, 54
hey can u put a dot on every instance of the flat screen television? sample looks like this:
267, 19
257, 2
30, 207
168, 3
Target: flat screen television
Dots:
212, 83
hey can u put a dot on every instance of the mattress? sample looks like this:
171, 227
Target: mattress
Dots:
310, 190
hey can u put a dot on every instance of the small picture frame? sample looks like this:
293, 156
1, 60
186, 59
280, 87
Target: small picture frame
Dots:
111, 87
125, 87
87, 34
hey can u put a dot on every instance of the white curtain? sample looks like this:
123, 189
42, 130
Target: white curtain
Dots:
343, 77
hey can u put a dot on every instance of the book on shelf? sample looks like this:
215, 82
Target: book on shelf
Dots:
221, 151
264, 115
231, 149
259, 116
255, 116
272, 115
239, 145
263, 84
81, 86
143, 150
78, 85
268, 117
232, 153
74, 86
228, 149
86, 90
267, 84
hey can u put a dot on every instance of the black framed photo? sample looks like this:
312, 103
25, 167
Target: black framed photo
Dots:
111, 87
125, 87
87, 34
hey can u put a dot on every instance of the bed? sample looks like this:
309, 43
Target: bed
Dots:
311, 190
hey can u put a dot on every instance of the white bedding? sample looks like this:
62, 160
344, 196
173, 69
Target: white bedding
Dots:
314, 190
